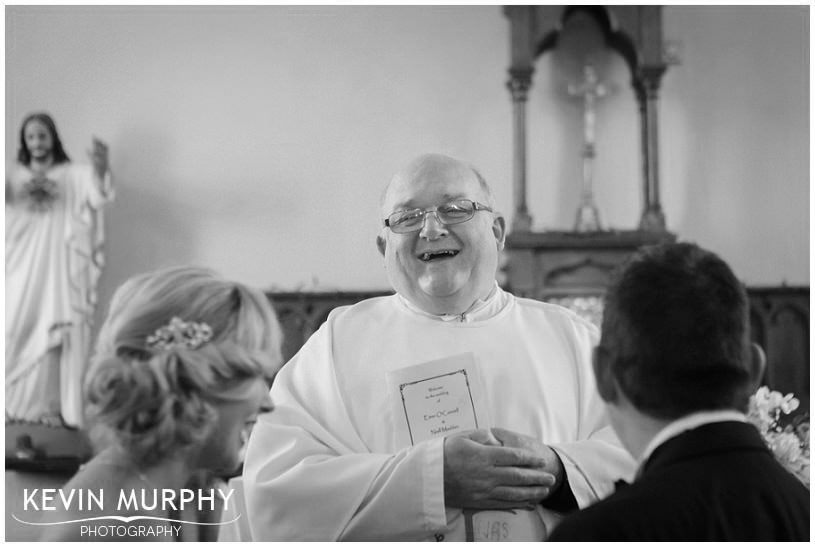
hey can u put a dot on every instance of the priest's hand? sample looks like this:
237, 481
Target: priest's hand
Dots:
552, 463
479, 473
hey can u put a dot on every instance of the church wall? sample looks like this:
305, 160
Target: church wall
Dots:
735, 137
256, 140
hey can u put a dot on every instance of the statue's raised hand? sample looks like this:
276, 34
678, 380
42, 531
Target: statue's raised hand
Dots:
99, 157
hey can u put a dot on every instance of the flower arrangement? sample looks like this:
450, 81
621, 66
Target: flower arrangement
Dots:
790, 442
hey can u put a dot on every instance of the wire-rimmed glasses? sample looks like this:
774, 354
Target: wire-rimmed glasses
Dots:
454, 212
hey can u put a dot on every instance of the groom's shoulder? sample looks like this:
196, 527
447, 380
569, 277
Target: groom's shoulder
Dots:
604, 521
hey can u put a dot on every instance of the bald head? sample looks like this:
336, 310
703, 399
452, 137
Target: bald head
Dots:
430, 168
441, 267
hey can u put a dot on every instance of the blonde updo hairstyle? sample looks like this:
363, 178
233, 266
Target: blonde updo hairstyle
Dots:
156, 402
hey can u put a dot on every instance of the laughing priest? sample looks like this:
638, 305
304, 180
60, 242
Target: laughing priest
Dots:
449, 411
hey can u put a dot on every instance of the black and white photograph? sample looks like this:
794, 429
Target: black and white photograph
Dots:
366, 272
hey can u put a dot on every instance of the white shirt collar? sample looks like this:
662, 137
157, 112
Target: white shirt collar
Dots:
481, 309
685, 423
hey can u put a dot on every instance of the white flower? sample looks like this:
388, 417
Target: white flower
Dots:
785, 445
789, 403
790, 444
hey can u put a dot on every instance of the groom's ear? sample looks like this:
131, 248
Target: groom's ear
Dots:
757, 364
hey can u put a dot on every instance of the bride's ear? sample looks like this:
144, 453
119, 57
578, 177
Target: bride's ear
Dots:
380, 244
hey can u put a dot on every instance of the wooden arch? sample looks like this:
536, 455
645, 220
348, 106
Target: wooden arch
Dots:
633, 31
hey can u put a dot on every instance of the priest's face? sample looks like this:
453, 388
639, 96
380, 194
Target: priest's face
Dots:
442, 269
38, 140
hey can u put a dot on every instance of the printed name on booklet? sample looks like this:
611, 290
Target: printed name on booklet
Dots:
437, 398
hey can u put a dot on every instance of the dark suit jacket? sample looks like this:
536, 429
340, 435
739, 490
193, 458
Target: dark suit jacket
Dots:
717, 482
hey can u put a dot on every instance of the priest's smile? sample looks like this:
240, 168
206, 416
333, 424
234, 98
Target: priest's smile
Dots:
439, 254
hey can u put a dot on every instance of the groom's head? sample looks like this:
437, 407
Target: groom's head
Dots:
675, 334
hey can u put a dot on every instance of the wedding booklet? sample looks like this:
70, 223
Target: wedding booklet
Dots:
445, 397
437, 398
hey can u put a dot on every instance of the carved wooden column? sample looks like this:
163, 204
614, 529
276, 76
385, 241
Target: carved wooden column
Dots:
653, 219
518, 84
647, 78
527, 23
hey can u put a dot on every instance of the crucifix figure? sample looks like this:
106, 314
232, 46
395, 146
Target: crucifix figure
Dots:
590, 89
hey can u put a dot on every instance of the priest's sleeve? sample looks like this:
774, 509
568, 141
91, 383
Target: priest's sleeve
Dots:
309, 476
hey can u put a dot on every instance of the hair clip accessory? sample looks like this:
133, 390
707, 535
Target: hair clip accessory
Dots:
179, 333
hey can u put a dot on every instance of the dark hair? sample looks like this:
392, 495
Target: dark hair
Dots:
24, 155
676, 329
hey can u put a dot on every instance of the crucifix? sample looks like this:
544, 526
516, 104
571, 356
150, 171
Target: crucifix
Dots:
590, 89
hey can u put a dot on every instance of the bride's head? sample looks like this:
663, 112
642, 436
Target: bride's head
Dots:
182, 368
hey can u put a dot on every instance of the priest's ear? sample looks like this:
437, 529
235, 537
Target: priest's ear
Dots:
499, 230
601, 363
380, 244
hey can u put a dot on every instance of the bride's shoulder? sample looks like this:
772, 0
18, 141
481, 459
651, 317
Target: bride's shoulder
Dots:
99, 474
91, 493
73, 505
